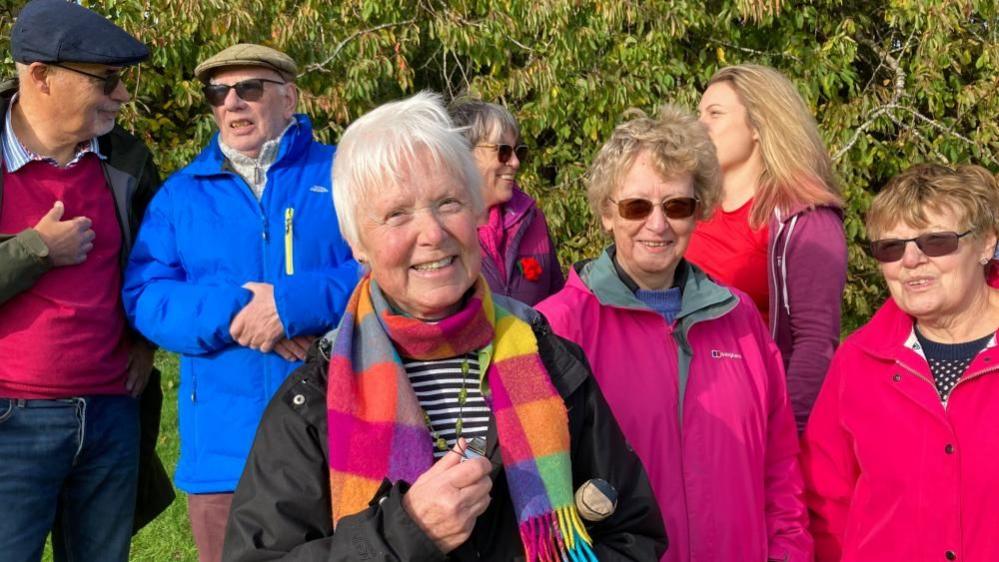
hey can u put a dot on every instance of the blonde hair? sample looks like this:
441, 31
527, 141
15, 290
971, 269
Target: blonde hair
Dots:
797, 167
678, 144
968, 191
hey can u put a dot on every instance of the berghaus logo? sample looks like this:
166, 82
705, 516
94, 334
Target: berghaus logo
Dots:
718, 354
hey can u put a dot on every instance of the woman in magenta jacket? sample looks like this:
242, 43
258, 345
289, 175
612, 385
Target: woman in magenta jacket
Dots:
687, 366
901, 452
778, 233
518, 259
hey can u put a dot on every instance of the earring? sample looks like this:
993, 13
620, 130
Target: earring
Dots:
984, 261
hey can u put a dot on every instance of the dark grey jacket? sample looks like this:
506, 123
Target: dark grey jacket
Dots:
281, 509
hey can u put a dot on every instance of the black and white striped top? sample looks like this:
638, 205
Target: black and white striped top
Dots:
438, 385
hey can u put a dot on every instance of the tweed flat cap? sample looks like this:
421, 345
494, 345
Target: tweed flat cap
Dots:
61, 31
248, 54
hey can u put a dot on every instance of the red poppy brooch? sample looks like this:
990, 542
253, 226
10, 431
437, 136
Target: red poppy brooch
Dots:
530, 268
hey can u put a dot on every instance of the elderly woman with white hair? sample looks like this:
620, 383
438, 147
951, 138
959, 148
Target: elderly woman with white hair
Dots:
439, 421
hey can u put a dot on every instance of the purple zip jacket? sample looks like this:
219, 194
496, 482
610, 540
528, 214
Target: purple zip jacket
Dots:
527, 237
806, 273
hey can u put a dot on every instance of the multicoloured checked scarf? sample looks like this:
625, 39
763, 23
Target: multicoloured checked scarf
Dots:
377, 429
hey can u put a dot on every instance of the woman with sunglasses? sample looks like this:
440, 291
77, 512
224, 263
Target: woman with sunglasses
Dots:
518, 259
778, 234
686, 365
901, 452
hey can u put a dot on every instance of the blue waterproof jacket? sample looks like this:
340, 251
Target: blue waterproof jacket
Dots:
204, 235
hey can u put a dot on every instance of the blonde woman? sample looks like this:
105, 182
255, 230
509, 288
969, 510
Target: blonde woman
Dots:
777, 234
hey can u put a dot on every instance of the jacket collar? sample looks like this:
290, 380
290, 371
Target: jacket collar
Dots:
700, 293
886, 332
885, 335
517, 208
295, 141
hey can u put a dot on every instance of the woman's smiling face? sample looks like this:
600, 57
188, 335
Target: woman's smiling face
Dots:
649, 249
420, 241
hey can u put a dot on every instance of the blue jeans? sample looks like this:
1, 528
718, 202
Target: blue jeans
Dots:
71, 466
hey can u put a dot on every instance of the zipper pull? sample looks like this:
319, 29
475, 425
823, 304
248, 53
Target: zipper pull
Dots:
264, 234
289, 241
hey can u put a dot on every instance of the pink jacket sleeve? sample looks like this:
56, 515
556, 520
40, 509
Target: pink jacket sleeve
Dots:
787, 518
829, 466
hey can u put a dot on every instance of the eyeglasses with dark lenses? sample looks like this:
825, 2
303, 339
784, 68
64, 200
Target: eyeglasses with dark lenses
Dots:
247, 90
108, 81
932, 244
505, 151
638, 208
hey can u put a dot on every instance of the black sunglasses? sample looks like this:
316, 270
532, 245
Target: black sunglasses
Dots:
932, 244
676, 208
505, 151
247, 90
109, 81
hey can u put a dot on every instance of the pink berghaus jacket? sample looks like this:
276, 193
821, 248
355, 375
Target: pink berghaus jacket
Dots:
727, 478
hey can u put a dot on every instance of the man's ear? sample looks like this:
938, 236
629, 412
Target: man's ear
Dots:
290, 100
37, 76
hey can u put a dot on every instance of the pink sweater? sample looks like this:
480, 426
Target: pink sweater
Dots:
65, 336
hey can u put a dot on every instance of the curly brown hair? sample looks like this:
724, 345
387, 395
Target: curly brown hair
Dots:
677, 143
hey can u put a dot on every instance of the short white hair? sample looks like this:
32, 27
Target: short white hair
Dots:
376, 151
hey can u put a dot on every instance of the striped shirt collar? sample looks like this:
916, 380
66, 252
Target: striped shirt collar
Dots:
16, 155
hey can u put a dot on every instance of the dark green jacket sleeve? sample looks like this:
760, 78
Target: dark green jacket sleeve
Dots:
23, 259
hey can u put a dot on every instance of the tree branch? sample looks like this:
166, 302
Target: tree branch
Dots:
754, 51
898, 89
893, 106
934, 123
871, 117
914, 131
321, 66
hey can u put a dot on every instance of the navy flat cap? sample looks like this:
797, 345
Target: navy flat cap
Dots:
61, 31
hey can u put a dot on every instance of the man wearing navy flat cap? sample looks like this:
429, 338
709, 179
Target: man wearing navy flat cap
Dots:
73, 188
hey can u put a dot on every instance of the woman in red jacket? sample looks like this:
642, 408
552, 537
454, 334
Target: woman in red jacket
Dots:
901, 452
777, 234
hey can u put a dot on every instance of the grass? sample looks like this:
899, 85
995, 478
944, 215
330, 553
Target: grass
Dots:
168, 538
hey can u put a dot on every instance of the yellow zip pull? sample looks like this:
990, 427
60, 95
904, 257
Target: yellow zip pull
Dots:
289, 241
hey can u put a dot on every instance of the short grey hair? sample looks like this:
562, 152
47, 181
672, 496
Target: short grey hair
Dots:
375, 151
478, 119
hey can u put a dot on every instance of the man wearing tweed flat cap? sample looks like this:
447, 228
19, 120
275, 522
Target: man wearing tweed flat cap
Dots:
239, 266
73, 188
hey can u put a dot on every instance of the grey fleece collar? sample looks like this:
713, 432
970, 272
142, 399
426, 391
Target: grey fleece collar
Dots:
700, 293
254, 170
